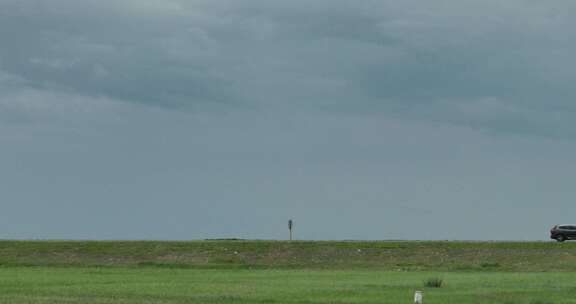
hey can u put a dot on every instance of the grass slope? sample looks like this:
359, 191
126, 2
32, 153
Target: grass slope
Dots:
238, 272
333, 255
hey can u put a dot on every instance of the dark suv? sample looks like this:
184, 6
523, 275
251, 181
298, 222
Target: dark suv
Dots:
563, 232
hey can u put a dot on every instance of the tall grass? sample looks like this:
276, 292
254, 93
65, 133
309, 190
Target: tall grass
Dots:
434, 282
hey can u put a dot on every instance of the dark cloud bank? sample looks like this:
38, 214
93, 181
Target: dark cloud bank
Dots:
491, 65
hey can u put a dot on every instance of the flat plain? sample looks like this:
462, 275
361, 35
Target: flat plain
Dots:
238, 271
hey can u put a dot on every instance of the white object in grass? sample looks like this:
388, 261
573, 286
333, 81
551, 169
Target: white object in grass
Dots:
418, 297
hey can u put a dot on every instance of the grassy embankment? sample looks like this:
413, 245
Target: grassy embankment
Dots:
285, 272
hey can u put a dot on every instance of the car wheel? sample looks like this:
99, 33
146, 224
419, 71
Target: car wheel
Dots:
560, 238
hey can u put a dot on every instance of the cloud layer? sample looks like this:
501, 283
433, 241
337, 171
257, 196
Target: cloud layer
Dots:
486, 64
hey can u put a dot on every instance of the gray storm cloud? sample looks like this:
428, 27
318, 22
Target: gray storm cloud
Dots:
503, 67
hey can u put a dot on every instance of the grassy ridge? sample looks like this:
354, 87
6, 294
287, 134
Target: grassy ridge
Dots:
247, 272
334, 255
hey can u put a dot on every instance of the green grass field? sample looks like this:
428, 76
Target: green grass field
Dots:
285, 272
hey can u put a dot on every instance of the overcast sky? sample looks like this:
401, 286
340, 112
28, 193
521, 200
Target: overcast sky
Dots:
179, 119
